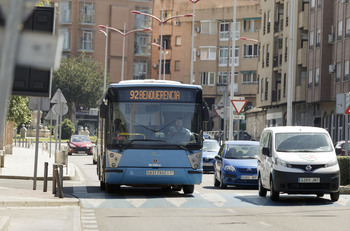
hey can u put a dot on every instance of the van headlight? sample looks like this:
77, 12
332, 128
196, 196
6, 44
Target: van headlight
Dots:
230, 168
332, 163
283, 163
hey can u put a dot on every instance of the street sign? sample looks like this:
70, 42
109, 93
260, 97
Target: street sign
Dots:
41, 50
239, 117
347, 111
239, 105
33, 104
60, 108
51, 115
58, 97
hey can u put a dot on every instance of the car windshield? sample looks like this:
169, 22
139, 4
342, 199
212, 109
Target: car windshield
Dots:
80, 139
212, 146
242, 151
305, 142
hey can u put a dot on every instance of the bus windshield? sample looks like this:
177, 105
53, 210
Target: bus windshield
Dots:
162, 124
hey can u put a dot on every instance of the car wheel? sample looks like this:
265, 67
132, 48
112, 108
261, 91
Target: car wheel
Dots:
216, 181
335, 196
319, 195
262, 190
273, 194
222, 185
188, 189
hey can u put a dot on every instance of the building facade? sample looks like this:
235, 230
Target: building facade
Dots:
212, 53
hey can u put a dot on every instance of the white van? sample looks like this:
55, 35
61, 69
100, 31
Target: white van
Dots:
297, 160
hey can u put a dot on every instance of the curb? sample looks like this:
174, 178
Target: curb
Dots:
41, 203
4, 223
344, 190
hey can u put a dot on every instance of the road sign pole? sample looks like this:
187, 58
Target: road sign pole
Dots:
8, 57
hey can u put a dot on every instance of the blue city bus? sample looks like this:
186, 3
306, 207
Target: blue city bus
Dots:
141, 140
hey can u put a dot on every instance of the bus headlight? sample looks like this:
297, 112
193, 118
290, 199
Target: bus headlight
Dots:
114, 159
195, 160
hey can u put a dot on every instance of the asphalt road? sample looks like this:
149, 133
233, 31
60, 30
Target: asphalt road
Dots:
208, 208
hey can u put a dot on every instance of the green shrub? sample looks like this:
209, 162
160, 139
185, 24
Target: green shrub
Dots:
68, 129
344, 162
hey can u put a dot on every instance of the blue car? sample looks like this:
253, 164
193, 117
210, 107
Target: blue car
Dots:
210, 150
236, 164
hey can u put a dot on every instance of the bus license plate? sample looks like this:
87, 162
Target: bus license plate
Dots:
249, 177
309, 180
159, 173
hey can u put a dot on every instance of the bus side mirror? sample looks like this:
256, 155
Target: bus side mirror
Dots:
103, 111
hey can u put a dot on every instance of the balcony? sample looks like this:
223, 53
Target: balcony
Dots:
304, 18
302, 56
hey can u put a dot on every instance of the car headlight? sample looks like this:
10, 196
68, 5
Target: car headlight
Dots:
283, 163
72, 145
230, 168
331, 163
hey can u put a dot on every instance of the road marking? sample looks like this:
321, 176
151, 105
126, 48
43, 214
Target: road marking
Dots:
214, 198
137, 202
264, 224
176, 201
88, 219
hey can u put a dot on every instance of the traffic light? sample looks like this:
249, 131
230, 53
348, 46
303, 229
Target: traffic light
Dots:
30, 81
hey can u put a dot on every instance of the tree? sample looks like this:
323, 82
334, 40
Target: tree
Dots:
44, 3
81, 82
18, 110
67, 129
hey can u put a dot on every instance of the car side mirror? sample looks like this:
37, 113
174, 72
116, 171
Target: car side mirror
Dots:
218, 157
266, 151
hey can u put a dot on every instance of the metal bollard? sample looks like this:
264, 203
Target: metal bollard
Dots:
2, 158
60, 167
54, 166
46, 164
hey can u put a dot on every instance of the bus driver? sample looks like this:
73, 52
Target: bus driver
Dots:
179, 134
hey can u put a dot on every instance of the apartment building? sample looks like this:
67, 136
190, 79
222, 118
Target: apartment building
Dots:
78, 21
212, 53
276, 46
328, 58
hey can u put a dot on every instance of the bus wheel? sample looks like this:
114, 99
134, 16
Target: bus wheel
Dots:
188, 189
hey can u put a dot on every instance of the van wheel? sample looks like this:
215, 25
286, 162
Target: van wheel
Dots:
335, 196
319, 195
275, 196
262, 190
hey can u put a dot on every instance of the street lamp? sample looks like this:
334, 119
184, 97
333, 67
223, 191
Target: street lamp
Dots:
233, 49
161, 21
124, 34
163, 51
192, 45
106, 46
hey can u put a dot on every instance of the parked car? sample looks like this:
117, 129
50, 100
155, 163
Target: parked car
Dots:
210, 150
236, 164
80, 144
340, 148
206, 136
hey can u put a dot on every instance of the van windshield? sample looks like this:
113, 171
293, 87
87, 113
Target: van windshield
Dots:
305, 142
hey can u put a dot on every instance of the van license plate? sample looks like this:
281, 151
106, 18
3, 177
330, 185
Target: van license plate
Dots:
159, 173
309, 180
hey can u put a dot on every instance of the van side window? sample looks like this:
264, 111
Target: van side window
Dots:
265, 140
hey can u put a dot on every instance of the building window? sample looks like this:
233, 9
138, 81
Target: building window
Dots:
249, 77
319, 3
86, 40
142, 21
347, 31
167, 67
250, 51
65, 15
237, 31
318, 37
222, 78
177, 65
346, 70
208, 27
262, 90
236, 56
311, 40
249, 25
167, 42
284, 85
207, 78
340, 29
66, 33
140, 69
268, 21
87, 12
338, 72
224, 33
178, 41
166, 14
208, 53
142, 44
223, 56
312, 5
317, 76
310, 79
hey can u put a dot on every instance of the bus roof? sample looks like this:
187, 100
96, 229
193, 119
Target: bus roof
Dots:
151, 82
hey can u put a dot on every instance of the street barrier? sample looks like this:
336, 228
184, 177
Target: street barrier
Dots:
57, 180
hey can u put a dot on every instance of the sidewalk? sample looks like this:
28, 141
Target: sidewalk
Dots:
22, 208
